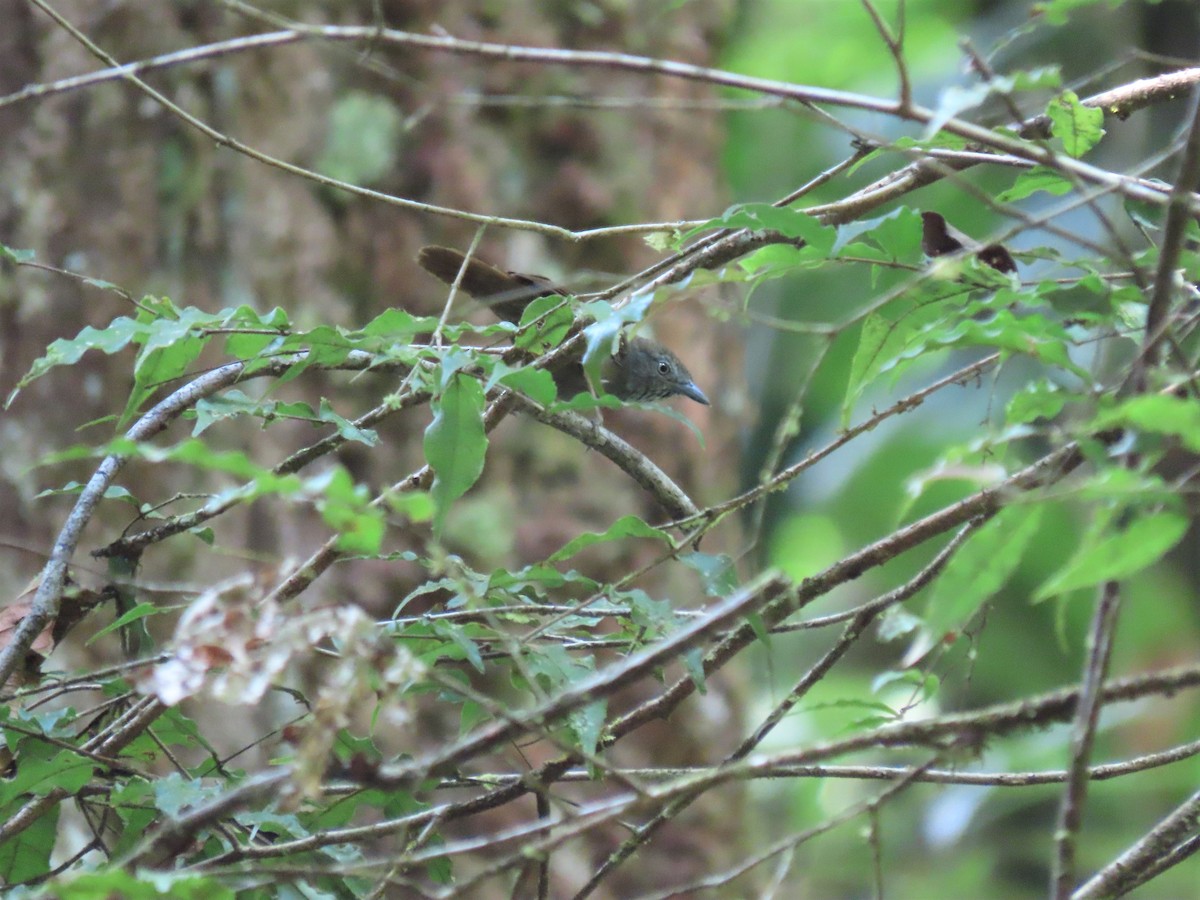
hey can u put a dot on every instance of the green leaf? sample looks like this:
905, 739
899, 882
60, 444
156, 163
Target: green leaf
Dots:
416, 506
458, 636
174, 793
1040, 400
346, 508
896, 622
942, 140
66, 352
893, 337
112, 492
455, 443
226, 405
654, 617
625, 527
717, 571
1113, 552
141, 611
44, 768
1033, 180
907, 679
587, 722
1056, 12
557, 669
26, 855
169, 348
693, 663
981, 568
470, 715
1079, 127
141, 885
537, 384
345, 428
789, 222
17, 256
399, 325
544, 324
955, 99
777, 260
1157, 414
323, 346
898, 234
606, 326
894, 332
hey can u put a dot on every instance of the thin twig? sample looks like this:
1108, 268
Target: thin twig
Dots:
1083, 734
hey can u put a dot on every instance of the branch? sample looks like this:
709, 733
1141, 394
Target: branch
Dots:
1124, 872
1179, 214
628, 458
850, 635
46, 601
1083, 734
1034, 712
887, 189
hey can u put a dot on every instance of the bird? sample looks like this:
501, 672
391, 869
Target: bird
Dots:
641, 370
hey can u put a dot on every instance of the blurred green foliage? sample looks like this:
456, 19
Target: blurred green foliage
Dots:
954, 841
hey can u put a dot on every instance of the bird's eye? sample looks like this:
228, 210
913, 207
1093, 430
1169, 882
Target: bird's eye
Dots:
664, 368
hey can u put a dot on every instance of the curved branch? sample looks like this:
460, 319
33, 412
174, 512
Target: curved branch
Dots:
50, 586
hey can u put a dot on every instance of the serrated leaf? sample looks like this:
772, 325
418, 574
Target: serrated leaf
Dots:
1040, 400
168, 352
625, 527
545, 322
225, 405
323, 346
777, 260
399, 325
1158, 414
536, 384
956, 99
1114, 552
693, 663
789, 222
174, 793
897, 234
894, 332
44, 768
113, 338
1033, 180
893, 337
646, 613
587, 723
980, 568
455, 443
26, 855
717, 571
1079, 127
459, 638
345, 428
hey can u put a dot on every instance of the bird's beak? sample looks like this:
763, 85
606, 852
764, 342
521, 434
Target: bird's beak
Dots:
691, 391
